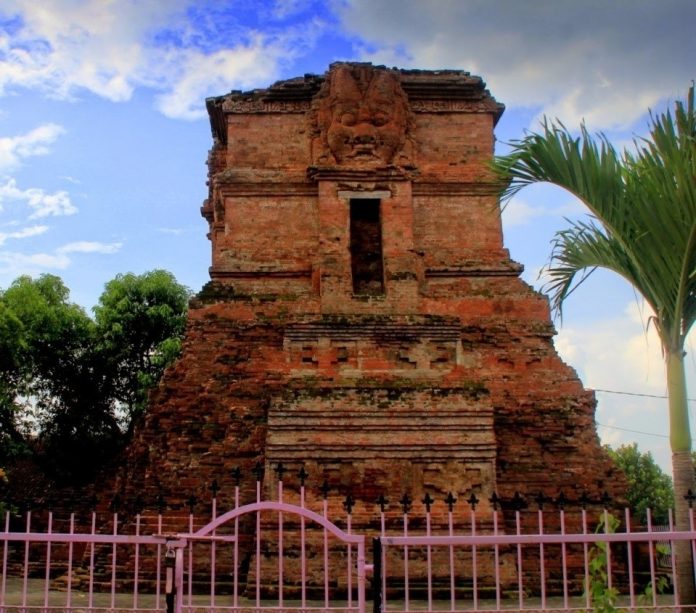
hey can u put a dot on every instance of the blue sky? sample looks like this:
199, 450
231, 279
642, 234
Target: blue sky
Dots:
104, 137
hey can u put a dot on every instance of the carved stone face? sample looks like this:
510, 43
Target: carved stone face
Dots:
365, 115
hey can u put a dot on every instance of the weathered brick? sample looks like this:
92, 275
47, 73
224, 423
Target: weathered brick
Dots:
447, 380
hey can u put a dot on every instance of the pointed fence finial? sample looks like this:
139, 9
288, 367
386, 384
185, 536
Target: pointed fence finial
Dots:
690, 497
428, 502
191, 502
518, 503
116, 503
349, 503
405, 503
138, 504
258, 471
450, 501
215, 488
161, 504
495, 501
303, 474
382, 502
561, 501
325, 489
280, 470
540, 499
237, 475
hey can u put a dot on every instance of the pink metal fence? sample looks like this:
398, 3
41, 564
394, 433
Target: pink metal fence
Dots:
605, 572
112, 566
301, 552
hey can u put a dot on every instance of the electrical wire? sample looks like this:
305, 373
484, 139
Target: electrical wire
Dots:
632, 431
597, 389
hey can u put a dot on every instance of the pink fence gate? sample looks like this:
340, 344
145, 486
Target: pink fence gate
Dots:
265, 555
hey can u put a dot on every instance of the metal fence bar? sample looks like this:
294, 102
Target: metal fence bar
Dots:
450, 531
158, 568
47, 575
496, 556
326, 554
258, 544
675, 576
520, 589
213, 552
564, 560
280, 545
607, 529
235, 570
429, 560
25, 578
113, 563
68, 602
629, 548
405, 543
691, 527
542, 560
190, 560
303, 557
651, 547
136, 570
349, 557
383, 532
586, 561
3, 586
474, 563
90, 597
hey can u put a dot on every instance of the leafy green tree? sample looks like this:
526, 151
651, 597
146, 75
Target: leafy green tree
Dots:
12, 347
642, 227
140, 322
47, 387
66, 379
648, 486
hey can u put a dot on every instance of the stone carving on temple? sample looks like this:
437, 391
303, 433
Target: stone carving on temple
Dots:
362, 118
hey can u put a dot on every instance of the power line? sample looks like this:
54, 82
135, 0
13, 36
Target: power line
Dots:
632, 431
597, 389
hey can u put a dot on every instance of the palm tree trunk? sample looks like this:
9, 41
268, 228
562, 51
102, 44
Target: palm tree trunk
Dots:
682, 470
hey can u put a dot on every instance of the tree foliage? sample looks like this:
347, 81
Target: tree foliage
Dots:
68, 383
648, 486
140, 323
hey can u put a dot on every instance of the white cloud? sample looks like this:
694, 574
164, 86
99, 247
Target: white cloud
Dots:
13, 149
42, 204
14, 263
27, 232
604, 61
66, 45
199, 75
89, 247
621, 355
177, 48
518, 212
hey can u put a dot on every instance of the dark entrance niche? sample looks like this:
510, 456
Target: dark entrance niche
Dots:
366, 247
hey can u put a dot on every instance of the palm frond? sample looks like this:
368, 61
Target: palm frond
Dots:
643, 206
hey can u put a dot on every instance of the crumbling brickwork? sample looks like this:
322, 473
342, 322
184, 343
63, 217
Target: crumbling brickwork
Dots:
363, 317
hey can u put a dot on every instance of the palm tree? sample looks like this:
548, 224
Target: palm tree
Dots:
642, 226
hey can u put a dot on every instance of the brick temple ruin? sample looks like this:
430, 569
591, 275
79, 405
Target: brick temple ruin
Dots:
363, 319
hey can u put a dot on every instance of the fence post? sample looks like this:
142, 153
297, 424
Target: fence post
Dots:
376, 575
169, 589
